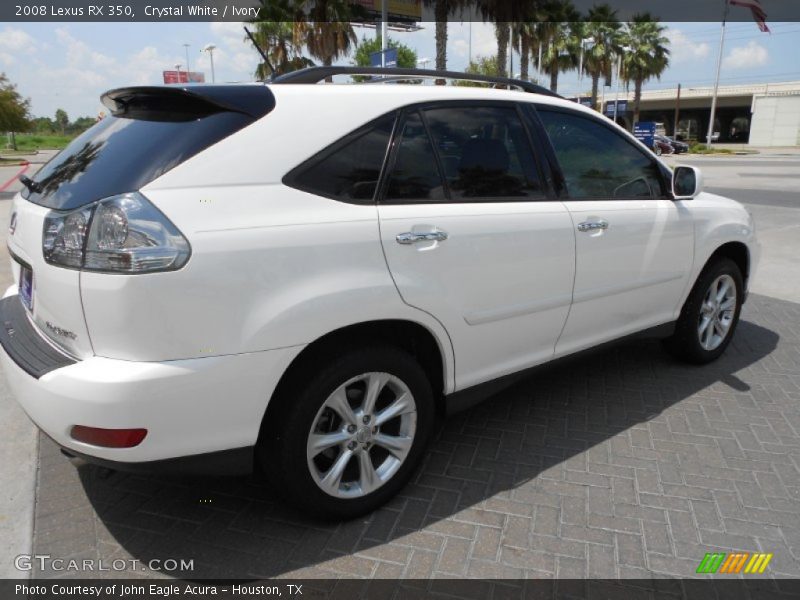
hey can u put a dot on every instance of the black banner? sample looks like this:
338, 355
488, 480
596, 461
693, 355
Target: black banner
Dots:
403, 589
369, 10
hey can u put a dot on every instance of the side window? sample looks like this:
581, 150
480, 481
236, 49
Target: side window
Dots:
597, 161
349, 169
415, 177
485, 153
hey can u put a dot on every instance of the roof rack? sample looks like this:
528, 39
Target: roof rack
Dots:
317, 74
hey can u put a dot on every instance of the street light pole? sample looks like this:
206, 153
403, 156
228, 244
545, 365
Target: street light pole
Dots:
384, 31
188, 68
210, 49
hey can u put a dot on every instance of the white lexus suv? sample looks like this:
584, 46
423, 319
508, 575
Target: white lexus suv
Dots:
305, 278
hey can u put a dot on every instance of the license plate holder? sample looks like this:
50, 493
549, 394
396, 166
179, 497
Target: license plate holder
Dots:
26, 286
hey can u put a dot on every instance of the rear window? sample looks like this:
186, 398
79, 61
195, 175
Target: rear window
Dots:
123, 153
349, 169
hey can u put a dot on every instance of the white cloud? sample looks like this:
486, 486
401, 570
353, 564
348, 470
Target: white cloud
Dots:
484, 41
79, 54
747, 57
16, 40
684, 50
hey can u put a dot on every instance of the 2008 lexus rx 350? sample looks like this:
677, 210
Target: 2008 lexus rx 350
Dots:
304, 277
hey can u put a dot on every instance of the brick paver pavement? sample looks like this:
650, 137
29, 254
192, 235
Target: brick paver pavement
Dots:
622, 464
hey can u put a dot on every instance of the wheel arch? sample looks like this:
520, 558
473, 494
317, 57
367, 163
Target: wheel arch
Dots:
738, 252
411, 336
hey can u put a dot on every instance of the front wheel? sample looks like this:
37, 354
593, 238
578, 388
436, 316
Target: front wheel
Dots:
710, 315
348, 438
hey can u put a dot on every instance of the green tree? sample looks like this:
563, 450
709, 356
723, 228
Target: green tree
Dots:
13, 108
646, 54
560, 33
481, 65
605, 30
502, 31
62, 120
281, 42
524, 39
406, 57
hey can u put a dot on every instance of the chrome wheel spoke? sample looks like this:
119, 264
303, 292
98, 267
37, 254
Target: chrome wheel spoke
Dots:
397, 445
402, 405
343, 438
728, 304
722, 290
369, 477
339, 404
721, 328
375, 384
318, 442
333, 477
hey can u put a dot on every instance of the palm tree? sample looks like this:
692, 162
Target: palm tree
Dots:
601, 25
561, 35
442, 9
280, 41
328, 34
523, 40
502, 31
646, 54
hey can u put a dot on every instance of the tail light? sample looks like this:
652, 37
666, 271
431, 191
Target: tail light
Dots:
120, 234
108, 438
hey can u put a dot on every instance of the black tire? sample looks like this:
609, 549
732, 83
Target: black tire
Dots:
685, 343
282, 447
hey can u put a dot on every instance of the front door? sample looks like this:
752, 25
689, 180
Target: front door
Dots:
634, 246
470, 237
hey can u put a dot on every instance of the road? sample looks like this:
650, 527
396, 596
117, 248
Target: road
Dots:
769, 186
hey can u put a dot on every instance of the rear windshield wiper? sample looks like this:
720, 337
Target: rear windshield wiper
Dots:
29, 183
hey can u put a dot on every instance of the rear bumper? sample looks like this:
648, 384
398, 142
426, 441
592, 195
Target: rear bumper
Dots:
211, 407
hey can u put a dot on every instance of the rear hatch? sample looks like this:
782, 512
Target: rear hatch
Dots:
149, 131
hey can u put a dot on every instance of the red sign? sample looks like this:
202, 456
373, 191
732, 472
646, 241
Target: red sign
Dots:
184, 77
176, 77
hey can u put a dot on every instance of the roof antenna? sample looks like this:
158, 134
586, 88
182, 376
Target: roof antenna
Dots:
260, 51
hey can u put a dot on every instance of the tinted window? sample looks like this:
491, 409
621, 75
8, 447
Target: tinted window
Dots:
121, 155
485, 153
598, 162
415, 175
349, 170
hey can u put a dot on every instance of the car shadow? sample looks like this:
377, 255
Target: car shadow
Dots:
507, 453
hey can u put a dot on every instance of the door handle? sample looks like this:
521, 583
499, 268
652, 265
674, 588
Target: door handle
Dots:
411, 237
600, 224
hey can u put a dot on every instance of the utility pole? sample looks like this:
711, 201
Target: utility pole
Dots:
384, 31
677, 113
188, 68
716, 81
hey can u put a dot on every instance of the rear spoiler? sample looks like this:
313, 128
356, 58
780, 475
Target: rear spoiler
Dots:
157, 103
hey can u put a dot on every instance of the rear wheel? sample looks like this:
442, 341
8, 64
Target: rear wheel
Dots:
343, 440
710, 315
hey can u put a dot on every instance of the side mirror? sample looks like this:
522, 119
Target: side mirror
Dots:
687, 182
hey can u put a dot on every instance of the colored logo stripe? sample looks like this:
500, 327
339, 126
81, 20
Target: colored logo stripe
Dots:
758, 564
711, 562
733, 563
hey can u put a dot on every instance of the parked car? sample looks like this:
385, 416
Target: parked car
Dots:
305, 278
662, 146
677, 146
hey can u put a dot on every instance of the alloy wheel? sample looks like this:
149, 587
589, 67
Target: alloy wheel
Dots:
361, 435
717, 312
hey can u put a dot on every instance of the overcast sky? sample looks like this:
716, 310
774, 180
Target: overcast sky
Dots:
68, 65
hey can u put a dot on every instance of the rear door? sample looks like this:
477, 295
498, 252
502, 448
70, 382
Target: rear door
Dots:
634, 244
471, 237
